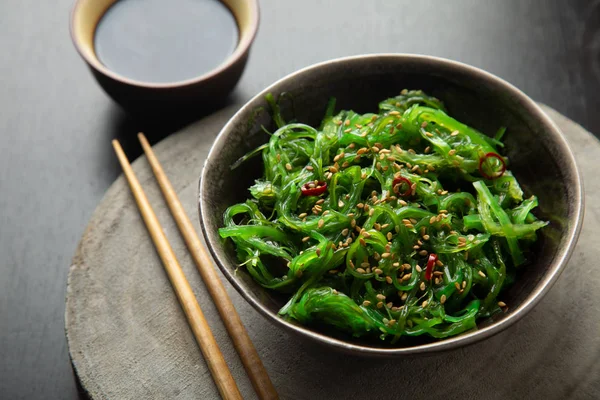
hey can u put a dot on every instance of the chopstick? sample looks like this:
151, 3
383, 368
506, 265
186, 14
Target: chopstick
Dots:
243, 344
209, 347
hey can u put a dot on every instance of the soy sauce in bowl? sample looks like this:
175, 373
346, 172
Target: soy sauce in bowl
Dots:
160, 41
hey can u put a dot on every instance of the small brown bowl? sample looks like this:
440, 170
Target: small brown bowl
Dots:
138, 96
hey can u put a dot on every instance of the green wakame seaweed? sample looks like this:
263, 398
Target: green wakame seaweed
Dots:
402, 184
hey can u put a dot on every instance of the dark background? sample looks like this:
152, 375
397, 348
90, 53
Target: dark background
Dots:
56, 125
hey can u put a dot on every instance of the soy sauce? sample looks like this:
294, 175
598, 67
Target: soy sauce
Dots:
163, 41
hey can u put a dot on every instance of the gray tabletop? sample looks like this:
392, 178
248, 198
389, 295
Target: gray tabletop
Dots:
57, 124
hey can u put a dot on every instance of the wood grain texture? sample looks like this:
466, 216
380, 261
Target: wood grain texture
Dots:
213, 357
130, 340
56, 126
208, 271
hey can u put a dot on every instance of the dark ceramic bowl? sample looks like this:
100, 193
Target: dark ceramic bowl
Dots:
539, 154
137, 96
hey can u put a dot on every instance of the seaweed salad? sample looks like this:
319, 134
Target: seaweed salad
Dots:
404, 222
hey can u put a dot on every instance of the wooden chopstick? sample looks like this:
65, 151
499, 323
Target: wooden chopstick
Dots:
209, 347
243, 344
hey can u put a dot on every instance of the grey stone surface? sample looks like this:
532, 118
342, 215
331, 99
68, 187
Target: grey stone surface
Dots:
129, 339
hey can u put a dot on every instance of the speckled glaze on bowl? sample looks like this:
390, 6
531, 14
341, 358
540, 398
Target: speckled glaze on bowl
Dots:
539, 154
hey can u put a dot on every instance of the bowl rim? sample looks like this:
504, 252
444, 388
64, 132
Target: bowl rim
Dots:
561, 259
242, 48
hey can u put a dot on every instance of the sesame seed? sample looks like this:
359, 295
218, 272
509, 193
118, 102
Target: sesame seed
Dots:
432, 219
385, 255
443, 299
345, 232
389, 236
394, 113
380, 296
422, 286
407, 277
353, 222
438, 273
375, 149
404, 296
413, 221
309, 167
333, 170
457, 285
366, 303
424, 304
425, 237
455, 133
380, 304
424, 124
416, 247
388, 279
378, 271
501, 304
482, 274
403, 203
427, 149
319, 254
306, 238
362, 242
347, 130
288, 166
429, 134
360, 205
321, 223
464, 284
360, 270
389, 305
439, 263
302, 215
418, 268
358, 126
371, 211
452, 152
423, 252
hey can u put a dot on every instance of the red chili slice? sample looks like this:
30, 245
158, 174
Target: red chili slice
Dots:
430, 264
497, 174
398, 181
319, 188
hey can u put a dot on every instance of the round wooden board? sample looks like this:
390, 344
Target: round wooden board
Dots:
129, 339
